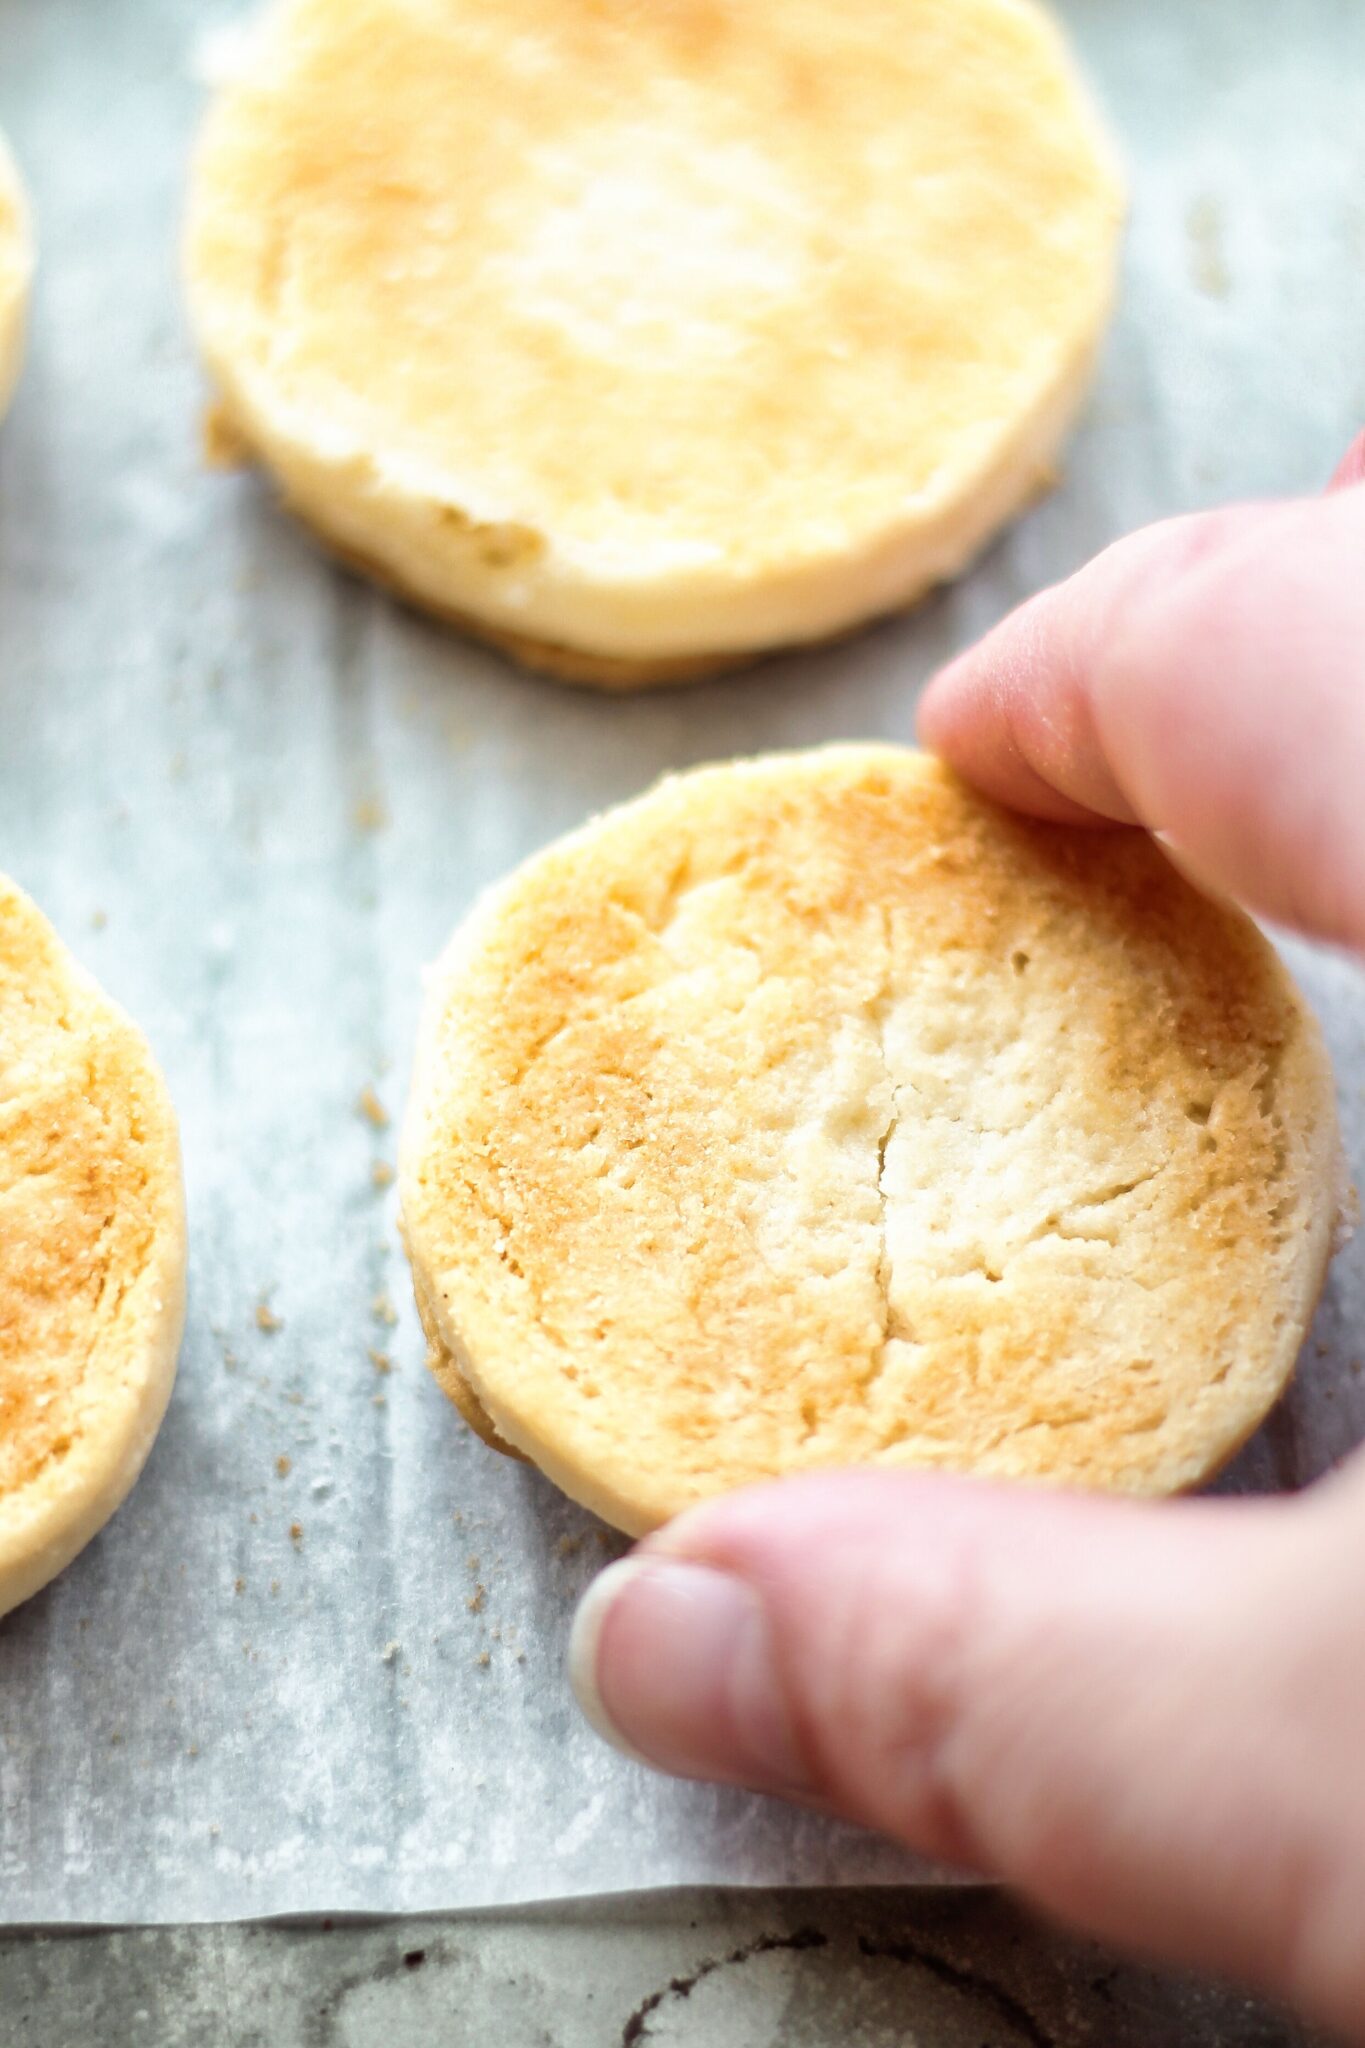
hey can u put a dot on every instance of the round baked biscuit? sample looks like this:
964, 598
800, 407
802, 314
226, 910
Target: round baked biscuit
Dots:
644, 338
16, 264
92, 1253
812, 1111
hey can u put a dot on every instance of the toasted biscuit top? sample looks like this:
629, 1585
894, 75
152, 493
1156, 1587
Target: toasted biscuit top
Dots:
16, 262
657, 296
92, 1251
811, 1111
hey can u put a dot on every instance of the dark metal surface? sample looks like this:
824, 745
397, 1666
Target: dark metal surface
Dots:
703, 1970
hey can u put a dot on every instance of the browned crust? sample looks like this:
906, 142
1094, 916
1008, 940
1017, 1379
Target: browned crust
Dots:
92, 1253
608, 672
452, 1381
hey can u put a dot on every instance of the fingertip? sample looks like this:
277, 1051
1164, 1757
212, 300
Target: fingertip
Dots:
938, 709
585, 1647
1011, 715
673, 1664
973, 728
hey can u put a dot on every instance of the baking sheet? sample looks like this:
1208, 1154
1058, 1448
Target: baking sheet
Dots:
315, 1664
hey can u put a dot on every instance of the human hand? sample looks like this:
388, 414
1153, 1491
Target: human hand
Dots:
1146, 1718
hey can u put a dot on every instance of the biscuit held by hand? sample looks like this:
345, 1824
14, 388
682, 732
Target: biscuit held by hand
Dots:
813, 1111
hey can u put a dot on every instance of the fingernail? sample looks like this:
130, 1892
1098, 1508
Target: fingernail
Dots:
673, 1664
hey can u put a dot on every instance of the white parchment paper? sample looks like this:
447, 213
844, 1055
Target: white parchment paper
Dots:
315, 1664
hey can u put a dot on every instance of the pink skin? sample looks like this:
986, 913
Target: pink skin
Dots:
1206, 679
1146, 1718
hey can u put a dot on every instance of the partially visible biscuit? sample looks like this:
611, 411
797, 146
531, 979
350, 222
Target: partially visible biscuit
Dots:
643, 340
16, 264
812, 1111
92, 1253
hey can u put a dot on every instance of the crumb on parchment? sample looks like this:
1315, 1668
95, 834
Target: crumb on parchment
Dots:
222, 445
372, 1109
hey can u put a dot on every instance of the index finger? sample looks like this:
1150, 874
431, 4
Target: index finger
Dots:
1205, 679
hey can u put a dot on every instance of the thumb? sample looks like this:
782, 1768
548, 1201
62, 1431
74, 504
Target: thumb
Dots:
1146, 1718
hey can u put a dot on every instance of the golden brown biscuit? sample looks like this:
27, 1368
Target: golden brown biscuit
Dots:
16, 264
812, 1111
92, 1253
643, 339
